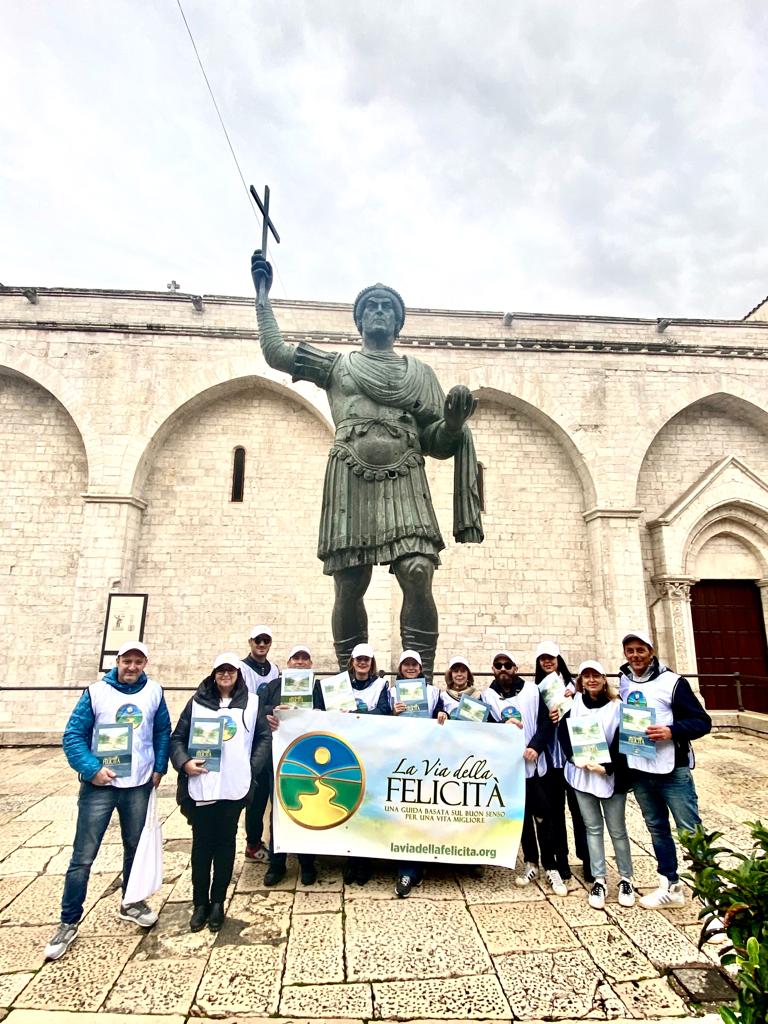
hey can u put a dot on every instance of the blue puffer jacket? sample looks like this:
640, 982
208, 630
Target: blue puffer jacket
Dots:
79, 730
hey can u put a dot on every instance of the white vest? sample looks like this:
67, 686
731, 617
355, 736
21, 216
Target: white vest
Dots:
254, 681
111, 706
581, 779
233, 780
370, 695
527, 703
658, 694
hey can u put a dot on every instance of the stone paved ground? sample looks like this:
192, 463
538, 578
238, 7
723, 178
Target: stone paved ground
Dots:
459, 948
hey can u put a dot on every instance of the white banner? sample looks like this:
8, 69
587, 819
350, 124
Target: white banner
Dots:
398, 788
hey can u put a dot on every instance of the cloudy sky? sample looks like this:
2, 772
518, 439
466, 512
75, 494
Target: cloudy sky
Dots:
511, 155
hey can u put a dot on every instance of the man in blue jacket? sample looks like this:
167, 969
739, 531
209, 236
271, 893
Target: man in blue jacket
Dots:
123, 716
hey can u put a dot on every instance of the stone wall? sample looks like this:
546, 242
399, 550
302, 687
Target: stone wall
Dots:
616, 460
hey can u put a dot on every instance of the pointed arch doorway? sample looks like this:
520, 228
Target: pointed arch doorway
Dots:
729, 636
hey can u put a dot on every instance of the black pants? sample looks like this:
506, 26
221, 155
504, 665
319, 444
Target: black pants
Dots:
254, 813
214, 830
537, 824
558, 792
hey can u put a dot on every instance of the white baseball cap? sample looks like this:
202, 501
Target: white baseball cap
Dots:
299, 648
547, 647
260, 631
504, 654
133, 645
227, 658
637, 635
362, 651
409, 654
591, 664
458, 661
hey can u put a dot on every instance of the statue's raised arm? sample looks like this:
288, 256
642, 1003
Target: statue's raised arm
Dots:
278, 353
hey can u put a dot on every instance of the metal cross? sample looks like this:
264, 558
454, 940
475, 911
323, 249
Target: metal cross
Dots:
266, 227
173, 286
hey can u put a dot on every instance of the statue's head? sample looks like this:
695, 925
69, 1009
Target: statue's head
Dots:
378, 308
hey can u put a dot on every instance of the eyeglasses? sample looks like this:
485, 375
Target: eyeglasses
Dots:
226, 671
503, 664
262, 639
361, 657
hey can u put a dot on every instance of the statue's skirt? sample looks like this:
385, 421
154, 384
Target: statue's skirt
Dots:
373, 515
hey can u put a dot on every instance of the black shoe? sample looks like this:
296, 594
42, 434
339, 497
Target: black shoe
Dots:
216, 917
199, 918
363, 875
403, 886
350, 874
274, 875
308, 876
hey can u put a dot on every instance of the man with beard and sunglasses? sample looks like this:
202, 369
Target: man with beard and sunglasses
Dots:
517, 702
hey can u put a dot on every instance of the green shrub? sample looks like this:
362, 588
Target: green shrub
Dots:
737, 894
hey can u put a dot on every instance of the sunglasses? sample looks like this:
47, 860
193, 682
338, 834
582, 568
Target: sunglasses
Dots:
262, 639
503, 664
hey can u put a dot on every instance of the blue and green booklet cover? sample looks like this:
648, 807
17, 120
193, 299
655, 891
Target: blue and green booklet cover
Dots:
206, 736
472, 710
113, 745
413, 693
632, 739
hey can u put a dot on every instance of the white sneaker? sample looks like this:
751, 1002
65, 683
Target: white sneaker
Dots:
668, 894
626, 893
559, 888
527, 875
597, 894
140, 913
60, 942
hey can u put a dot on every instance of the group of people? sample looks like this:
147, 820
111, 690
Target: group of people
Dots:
245, 695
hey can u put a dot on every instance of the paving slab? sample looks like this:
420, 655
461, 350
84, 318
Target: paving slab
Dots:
411, 938
64, 1017
576, 911
703, 985
468, 998
22, 949
615, 954
102, 918
28, 859
12, 985
164, 986
663, 943
549, 985
258, 917
500, 882
82, 979
315, 950
382, 887
16, 833
309, 902
10, 887
323, 1001
40, 901
653, 997
530, 926
240, 980
171, 938
252, 877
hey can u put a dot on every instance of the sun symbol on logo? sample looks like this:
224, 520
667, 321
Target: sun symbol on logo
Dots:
320, 781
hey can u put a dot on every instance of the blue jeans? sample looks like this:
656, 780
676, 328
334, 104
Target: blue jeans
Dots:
95, 805
657, 795
593, 809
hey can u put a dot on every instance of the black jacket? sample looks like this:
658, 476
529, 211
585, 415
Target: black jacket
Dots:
208, 695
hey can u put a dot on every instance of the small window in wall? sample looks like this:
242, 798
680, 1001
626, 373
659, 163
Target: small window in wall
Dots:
238, 474
481, 485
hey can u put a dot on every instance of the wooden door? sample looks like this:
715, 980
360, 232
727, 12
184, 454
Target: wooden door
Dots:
729, 633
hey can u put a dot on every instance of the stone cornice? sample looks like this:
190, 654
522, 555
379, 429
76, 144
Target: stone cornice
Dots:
114, 499
599, 346
612, 513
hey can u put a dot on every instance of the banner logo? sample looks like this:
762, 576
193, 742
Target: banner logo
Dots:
319, 781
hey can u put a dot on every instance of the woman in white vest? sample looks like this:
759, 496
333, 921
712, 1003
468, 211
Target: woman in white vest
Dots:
219, 746
601, 789
459, 682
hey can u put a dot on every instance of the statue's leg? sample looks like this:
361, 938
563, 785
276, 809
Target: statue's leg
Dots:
418, 616
350, 619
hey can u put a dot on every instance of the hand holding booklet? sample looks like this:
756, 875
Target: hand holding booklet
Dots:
472, 710
588, 741
632, 738
413, 693
113, 745
553, 694
296, 687
338, 694
206, 736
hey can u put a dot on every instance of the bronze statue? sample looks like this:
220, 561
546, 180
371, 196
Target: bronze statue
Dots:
389, 411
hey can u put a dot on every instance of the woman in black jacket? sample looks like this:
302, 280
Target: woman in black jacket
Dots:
221, 727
